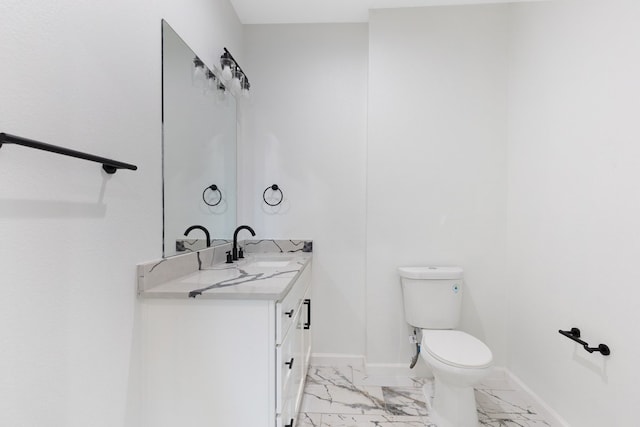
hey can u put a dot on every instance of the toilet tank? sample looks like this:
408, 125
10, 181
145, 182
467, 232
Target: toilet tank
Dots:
432, 296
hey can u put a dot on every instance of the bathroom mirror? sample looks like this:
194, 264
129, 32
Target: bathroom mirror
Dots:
198, 149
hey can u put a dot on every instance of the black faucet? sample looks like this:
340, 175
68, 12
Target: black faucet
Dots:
206, 232
235, 239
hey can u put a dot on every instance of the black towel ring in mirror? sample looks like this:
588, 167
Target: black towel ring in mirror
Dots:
274, 187
212, 188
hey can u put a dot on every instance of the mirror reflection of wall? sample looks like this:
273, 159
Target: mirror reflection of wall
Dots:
199, 149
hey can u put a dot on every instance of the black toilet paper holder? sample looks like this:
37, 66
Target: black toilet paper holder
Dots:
574, 335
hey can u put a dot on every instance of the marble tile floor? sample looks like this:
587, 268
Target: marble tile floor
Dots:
345, 397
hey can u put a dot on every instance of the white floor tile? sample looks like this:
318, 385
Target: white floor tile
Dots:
341, 399
339, 375
405, 401
359, 378
308, 420
346, 397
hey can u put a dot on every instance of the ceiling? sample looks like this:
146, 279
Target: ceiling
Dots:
317, 11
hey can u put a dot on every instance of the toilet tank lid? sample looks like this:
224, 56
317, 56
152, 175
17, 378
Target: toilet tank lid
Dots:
431, 272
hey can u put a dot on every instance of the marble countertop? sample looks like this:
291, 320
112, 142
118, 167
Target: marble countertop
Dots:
265, 276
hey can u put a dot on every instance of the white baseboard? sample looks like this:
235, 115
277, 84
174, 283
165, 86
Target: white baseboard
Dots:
371, 369
394, 370
550, 413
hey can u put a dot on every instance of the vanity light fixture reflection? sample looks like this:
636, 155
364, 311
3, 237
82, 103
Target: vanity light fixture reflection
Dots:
199, 73
211, 81
221, 93
245, 85
235, 82
231, 71
228, 65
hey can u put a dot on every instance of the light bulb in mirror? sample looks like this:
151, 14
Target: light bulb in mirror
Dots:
235, 83
245, 86
227, 67
199, 75
211, 81
221, 92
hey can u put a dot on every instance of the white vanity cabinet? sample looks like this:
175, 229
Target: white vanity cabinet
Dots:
232, 361
292, 359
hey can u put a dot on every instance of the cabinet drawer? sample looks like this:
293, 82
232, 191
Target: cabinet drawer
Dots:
287, 309
289, 365
288, 417
285, 421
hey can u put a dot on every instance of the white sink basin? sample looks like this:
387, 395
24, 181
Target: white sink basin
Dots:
269, 261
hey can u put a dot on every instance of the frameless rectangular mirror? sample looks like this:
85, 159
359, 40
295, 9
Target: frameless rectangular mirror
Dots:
198, 149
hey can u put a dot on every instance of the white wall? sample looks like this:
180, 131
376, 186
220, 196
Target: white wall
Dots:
85, 75
436, 165
574, 214
437, 103
305, 130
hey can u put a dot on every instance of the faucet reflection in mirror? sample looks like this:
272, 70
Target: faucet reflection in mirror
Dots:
199, 148
199, 227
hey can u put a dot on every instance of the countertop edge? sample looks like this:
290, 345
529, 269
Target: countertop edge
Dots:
149, 294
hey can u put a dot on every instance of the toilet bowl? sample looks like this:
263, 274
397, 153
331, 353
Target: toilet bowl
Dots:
432, 302
458, 361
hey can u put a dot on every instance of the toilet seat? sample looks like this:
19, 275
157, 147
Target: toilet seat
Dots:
456, 348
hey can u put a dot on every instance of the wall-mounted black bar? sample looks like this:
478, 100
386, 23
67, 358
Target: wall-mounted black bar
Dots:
574, 334
109, 166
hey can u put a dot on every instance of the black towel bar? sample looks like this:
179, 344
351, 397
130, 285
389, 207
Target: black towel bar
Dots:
574, 334
109, 166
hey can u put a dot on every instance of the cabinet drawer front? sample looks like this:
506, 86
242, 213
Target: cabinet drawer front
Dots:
287, 310
286, 420
289, 363
287, 417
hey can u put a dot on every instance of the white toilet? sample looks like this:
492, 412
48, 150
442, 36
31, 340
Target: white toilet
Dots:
432, 302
